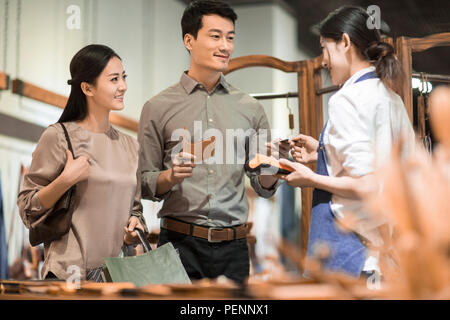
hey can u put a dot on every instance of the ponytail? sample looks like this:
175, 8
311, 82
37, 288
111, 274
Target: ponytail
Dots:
76, 106
387, 66
353, 21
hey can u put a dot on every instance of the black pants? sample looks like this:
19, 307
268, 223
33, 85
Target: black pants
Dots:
203, 259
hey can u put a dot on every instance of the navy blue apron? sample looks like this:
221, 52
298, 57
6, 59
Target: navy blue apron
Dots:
347, 253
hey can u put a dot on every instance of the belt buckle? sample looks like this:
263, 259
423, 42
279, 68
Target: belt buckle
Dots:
209, 234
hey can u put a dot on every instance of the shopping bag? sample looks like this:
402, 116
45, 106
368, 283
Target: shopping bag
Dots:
159, 266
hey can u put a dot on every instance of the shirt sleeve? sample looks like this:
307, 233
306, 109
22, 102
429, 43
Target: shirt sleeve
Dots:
47, 163
151, 155
263, 135
350, 135
137, 210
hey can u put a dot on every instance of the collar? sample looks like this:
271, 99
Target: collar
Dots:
190, 84
357, 74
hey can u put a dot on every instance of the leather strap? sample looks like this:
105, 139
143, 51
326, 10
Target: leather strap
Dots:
69, 144
212, 234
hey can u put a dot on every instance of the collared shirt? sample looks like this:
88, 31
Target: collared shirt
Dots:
215, 194
365, 120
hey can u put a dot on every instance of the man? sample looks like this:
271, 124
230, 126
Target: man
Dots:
205, 209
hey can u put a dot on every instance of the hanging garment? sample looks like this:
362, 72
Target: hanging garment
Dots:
3, 247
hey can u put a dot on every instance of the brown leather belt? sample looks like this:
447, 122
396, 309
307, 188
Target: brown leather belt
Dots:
212, 234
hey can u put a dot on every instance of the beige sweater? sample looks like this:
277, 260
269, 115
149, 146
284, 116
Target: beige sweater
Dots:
103, 202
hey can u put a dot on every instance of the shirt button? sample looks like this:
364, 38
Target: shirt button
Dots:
207, 97
211, 171
211, 196
210, 120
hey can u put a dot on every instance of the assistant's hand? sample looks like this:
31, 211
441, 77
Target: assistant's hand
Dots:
131, 236
304, 148
302, 176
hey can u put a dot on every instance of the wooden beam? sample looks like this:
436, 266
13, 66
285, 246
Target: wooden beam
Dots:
435, 40
34, 92
4, 81
403, 52
262, 61
305, 111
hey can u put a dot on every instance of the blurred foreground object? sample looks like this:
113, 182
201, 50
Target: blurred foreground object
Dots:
414, 197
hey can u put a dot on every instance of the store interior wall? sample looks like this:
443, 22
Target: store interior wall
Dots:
37, 46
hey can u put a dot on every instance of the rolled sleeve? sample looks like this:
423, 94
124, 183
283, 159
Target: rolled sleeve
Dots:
260, 190
262, 128
150, 154
47, 163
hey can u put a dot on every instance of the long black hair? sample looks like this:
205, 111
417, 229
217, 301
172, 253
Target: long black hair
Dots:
355, 22
86, 66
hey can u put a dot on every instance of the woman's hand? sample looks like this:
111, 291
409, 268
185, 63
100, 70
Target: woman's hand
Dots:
75, 170
131, 236
302, 176
304, 149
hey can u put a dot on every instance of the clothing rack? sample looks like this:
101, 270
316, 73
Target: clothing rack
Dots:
404, 48
431, 77
269, 96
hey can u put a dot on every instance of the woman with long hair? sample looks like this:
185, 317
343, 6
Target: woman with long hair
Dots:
365, 118
107, 205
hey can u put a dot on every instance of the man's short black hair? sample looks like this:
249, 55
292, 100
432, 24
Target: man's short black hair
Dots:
191, 21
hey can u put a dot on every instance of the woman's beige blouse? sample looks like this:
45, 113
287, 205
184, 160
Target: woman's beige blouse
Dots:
103, 202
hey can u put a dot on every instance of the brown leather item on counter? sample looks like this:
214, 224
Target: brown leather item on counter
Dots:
212, 234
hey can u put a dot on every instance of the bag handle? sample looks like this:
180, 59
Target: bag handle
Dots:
143, 239
69, 144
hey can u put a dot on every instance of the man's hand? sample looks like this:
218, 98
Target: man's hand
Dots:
183, 165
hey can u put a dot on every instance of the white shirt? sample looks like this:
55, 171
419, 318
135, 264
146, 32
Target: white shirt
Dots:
365, 119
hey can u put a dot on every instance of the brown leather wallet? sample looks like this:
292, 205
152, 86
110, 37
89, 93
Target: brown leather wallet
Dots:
212, 234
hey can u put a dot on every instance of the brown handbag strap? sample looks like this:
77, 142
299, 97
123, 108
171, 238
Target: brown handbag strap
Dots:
68, 139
